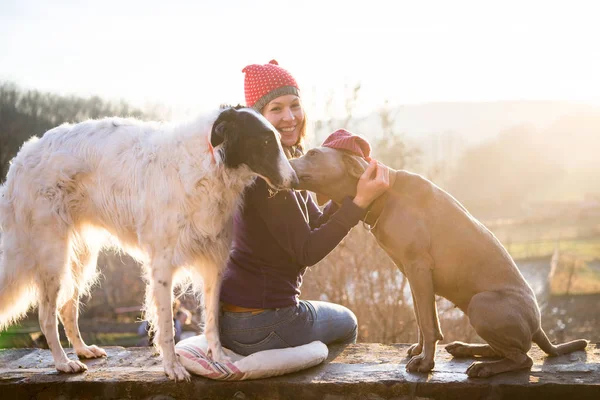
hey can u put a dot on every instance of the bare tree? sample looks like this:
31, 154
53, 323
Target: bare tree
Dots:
27, 113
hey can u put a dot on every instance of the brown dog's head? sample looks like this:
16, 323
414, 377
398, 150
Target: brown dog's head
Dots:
330, 173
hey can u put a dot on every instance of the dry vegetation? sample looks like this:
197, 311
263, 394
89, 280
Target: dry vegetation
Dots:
357, 274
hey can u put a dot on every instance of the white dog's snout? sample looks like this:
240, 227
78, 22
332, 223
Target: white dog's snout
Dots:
287, 173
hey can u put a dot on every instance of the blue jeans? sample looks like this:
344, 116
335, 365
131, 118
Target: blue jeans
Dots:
278, 328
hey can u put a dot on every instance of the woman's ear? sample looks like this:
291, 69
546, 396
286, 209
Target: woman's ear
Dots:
355, 165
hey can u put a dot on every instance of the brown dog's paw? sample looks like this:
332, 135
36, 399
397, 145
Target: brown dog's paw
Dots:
457, 349
420, 364
480, 370
415, 350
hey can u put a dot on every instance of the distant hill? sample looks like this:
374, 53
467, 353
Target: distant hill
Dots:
444, 130
497, 156
474, 121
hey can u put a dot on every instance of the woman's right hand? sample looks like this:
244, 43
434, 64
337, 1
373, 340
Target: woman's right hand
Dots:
374, 182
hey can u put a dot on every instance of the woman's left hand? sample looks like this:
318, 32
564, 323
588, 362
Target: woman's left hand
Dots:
374, 182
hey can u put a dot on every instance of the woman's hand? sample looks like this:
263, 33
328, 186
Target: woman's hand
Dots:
374, 182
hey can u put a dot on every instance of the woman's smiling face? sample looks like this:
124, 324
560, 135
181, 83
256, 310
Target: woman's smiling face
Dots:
287, 116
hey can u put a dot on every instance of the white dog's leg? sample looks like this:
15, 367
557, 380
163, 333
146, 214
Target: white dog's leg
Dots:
69, 315
49, 326
162, 292
54, 255
212, 289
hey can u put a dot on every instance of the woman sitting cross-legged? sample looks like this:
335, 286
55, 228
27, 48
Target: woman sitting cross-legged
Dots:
278, 235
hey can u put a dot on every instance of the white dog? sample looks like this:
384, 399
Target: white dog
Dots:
166, 193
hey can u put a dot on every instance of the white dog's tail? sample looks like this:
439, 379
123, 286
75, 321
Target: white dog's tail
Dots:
17, 291
17, 288
542, 340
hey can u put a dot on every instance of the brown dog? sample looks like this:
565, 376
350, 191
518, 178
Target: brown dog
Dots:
443, 250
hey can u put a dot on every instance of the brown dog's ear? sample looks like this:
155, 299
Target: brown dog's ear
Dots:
355, 165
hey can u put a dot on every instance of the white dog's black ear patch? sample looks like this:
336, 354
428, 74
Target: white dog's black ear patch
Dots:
224, 121
217, 136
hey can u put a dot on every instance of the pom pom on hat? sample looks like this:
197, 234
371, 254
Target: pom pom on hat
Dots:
344, 140
264, 83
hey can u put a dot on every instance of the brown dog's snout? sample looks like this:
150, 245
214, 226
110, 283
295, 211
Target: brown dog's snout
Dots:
296, 165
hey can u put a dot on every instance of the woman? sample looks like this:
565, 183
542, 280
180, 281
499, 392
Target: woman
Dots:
278, 235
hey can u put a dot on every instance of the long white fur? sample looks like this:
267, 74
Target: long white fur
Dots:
153, 187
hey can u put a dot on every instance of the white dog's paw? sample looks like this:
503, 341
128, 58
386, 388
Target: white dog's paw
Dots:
219, 355
92, 351
420, 364
175, 371
71, 367
415, 349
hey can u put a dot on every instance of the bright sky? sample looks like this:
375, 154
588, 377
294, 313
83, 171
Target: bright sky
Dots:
189, 54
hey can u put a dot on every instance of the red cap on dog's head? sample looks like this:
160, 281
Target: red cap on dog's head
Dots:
344, 140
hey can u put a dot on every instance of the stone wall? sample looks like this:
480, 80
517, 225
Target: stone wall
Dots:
362, 371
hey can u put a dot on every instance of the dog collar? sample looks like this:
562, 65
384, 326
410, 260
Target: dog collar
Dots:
378, 206
211, 149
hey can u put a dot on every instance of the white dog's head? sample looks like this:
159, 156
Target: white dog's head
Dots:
244, 137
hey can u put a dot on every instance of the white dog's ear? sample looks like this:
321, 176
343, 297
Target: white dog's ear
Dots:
217, 136
355, 165
227, 117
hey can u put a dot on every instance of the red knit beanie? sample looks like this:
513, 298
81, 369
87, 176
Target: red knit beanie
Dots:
264, 83
344, 140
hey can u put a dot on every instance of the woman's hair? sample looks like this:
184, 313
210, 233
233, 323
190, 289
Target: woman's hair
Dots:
299, 145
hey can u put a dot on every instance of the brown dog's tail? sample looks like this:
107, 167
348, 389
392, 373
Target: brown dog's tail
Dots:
541, 340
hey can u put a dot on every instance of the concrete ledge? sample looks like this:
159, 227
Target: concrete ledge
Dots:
362, 371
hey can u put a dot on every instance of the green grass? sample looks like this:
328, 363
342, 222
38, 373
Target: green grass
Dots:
116, 339
584, 249
24, 333
573, 274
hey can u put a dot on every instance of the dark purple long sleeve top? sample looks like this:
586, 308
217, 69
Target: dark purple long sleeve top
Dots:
275, 239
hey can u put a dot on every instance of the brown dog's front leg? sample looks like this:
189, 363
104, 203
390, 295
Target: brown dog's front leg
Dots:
420, 275
416, 348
